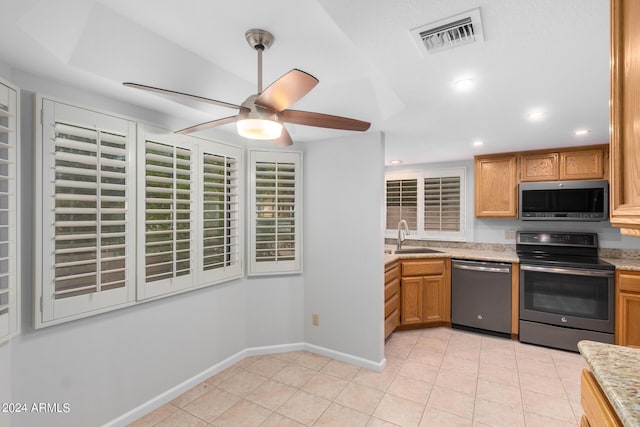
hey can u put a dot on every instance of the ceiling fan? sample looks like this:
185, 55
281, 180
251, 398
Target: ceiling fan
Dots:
261, 116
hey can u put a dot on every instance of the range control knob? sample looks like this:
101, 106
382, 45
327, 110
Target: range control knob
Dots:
479, 316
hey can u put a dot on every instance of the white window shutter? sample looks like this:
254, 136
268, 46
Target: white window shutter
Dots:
402, 202
87, 187
166, 213
442, 203
221, 218
9, 211
275, 212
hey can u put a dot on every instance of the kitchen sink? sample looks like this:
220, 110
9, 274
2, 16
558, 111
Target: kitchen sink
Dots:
413, 251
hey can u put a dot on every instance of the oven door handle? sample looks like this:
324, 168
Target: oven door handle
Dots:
565, 270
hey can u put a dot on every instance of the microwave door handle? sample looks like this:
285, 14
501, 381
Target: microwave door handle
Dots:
565, 270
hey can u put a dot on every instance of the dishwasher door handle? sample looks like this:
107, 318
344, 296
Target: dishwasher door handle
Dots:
482, 268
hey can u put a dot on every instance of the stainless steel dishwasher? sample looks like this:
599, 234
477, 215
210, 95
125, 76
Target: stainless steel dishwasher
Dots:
481, 295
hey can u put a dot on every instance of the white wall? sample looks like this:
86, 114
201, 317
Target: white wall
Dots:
490, 230
343, 244
5, 380
275, 310
106, 365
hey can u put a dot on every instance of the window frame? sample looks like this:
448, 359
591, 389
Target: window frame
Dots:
258, 268
199, 277
50, 311
10, 322
86, 117
391, 230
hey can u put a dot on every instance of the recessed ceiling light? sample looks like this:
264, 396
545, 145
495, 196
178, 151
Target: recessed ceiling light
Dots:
478, 143
535, 115
581, 132
395, 162
463, 84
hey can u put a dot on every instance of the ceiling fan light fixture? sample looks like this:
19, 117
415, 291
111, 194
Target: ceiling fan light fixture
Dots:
259, 128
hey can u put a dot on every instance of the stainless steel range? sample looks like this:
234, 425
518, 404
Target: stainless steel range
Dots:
566, 291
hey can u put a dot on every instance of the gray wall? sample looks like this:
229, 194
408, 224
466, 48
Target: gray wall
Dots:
344, 245
5, 380
106, 365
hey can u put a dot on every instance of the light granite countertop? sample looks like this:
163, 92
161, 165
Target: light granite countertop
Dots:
624, 263
617, 370
460, 253
487, 253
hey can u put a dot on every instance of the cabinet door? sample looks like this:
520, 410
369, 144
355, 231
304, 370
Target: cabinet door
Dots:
412, 300
433, 299
496, 186
625, 114
539, 167
628, 319
588, 164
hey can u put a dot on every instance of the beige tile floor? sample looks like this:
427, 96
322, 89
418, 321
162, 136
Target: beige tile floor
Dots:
433, 377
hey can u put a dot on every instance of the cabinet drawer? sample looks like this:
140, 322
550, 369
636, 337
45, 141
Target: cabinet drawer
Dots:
391, 288
422, 267
391, 305
629, 282
391, 322
391, 273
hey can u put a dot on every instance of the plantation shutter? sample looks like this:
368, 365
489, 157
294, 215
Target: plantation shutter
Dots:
276, 212
9, 249
168, 215
402, 202
442, 203
220, 224
87, 245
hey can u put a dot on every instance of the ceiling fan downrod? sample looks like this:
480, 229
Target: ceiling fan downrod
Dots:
260, 40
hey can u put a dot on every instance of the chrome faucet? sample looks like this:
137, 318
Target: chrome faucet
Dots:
406, 232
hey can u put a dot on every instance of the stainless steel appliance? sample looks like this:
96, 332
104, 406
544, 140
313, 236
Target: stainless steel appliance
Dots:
481, 295
566, 291
564, 200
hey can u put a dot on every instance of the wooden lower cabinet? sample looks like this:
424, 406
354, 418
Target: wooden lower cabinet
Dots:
391, 298
627, 317
425, 290
598, 411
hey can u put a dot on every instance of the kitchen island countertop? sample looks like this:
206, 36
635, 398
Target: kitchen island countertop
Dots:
617, 370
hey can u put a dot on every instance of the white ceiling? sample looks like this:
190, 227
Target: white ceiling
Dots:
542, 54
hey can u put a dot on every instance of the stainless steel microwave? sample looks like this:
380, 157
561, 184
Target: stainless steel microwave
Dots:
564, 201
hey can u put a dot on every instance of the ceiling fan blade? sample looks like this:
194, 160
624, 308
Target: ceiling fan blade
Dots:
286, 90
308, 118
207, 125
184, 95
284, 140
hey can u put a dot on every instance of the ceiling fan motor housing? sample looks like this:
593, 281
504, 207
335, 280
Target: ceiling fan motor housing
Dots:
259, 39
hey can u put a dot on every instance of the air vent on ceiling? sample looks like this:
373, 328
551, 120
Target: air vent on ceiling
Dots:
464, 28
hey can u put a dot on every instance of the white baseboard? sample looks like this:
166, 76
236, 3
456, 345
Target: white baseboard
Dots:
172, 393
347, 358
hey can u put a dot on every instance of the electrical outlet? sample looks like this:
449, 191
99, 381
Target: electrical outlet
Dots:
315, 319
509, 234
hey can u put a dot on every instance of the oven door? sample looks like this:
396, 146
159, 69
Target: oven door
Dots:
571, 297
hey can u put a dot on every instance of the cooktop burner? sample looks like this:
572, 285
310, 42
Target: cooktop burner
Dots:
560, 249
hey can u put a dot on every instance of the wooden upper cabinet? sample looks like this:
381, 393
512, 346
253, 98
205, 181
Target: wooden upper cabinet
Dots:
565, 165
625, 116
496, 186
539, 167
584, 164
